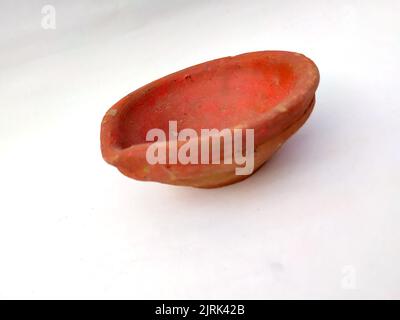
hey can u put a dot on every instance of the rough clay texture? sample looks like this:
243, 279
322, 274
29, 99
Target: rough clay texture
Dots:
272, 92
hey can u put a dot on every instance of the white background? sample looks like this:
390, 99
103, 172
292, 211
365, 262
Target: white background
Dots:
320, 220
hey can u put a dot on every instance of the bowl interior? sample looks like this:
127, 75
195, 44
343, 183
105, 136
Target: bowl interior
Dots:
218, 94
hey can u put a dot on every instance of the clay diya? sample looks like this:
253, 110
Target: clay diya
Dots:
271, 92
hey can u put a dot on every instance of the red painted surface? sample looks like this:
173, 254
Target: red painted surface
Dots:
271, 92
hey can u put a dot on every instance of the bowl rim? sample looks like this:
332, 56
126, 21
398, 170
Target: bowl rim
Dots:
305, 84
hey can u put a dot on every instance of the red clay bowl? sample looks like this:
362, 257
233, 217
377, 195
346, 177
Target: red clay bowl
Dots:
272, 92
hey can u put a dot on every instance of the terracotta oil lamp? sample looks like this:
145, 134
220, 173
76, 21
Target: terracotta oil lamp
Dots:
271, 92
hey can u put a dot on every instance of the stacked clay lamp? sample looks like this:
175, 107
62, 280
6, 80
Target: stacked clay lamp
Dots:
271, 92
